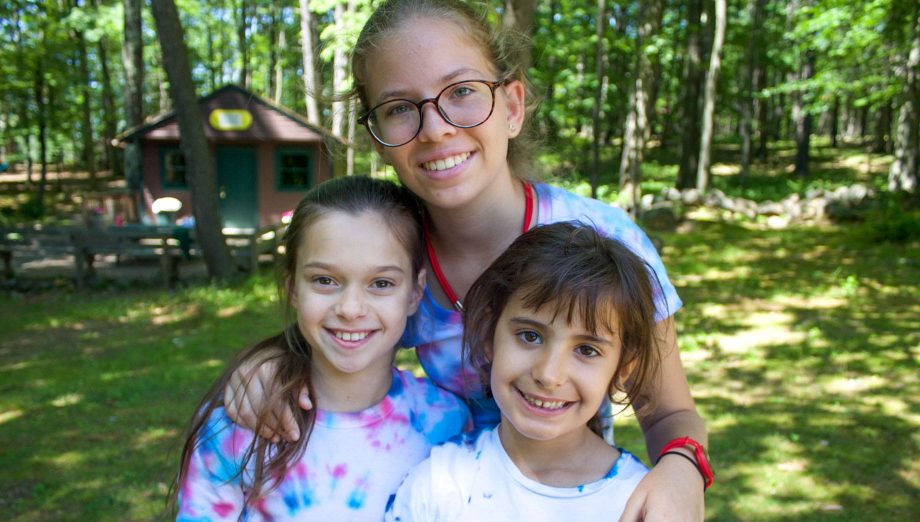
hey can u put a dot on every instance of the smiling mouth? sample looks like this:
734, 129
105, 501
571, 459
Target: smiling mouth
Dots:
351, 337
543, 404
446, 163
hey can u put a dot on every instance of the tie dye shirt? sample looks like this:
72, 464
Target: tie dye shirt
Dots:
475, 479
353, 463
437, 332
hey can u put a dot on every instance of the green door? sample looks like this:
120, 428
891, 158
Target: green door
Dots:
237, 187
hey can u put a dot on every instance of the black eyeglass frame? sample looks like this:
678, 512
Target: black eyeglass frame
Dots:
421, 114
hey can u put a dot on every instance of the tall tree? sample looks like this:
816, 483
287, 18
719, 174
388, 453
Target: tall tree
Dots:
242, 30
520, 14
905, 170
599, 58
86, 125
803, 118
637, 129
310, 77
132, 57
199, 165
709, 105
690, 105
753, 77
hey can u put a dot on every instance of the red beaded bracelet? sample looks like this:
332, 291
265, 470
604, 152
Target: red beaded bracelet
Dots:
698, 451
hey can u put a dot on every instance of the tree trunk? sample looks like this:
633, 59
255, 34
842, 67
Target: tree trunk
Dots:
599, 55
520, 14
905, 170
245, 78
199, 165
835, 120
109, 118
339, 65
690, 113
709, 105
279, 66
636, 131
803, 120
132, 57
88, 153
310, 78
40, 108
882, 142
756, 9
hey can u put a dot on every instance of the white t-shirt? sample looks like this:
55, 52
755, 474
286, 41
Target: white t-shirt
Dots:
475, 479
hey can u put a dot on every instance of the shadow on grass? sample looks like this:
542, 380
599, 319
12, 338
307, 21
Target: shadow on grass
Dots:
802, 346
97, 390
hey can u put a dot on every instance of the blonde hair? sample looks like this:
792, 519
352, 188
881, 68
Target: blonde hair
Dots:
503, 47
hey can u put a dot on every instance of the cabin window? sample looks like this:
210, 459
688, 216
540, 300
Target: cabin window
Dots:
295, 169
172, 168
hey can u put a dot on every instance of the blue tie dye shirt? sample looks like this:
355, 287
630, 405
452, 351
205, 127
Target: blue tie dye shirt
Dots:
437, 332
353, 461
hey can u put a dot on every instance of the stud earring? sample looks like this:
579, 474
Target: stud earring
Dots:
511, 126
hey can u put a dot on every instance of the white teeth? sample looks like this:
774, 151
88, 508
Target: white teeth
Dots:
446, 163
351, 336
548, 405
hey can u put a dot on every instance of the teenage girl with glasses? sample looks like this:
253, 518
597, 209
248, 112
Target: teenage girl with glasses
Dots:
473, 183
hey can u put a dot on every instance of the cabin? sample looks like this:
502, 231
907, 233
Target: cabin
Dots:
266, 157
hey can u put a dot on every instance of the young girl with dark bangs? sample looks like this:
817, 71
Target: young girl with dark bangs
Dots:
352, 276
561, 321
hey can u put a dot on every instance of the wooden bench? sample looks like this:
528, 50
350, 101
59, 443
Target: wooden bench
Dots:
37, 241
169, 244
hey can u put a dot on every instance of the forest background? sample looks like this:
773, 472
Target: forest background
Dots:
801, 339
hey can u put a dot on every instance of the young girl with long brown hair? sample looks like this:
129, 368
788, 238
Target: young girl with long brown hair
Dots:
352, 275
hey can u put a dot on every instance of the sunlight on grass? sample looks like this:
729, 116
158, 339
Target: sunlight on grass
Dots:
154, 435
68, 459
7, 416
68, 399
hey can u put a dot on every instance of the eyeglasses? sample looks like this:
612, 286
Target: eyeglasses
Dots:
463, 104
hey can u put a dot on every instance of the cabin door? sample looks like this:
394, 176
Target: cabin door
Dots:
237, 186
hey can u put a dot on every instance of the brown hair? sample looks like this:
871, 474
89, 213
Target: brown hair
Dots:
503, 47
290, 351
577, 272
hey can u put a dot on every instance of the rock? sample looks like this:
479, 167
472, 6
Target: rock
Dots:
770, 208
690, 197
777, 222
661, 216
646, 201
670, 194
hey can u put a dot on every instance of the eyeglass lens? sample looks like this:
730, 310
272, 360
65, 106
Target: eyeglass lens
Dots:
464, 104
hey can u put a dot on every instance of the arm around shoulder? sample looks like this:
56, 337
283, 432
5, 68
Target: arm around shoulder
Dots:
673, 489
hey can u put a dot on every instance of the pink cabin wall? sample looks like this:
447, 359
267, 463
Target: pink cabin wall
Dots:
272, 203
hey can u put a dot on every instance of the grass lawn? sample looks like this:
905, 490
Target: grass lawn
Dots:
801, 345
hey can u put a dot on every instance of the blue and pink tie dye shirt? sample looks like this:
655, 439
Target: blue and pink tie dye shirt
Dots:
352, 464
436, 331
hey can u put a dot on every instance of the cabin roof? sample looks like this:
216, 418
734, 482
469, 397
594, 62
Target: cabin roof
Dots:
270, 121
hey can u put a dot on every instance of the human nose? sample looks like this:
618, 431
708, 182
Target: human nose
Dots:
351, 303
433, 124
549, 369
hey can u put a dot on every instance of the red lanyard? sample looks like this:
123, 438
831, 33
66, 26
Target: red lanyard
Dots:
433, 258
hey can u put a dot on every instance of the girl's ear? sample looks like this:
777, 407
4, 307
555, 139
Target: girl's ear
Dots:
418, 291
515, 97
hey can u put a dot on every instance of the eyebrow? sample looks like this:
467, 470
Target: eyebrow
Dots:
526, 321
447, 78
326, 266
